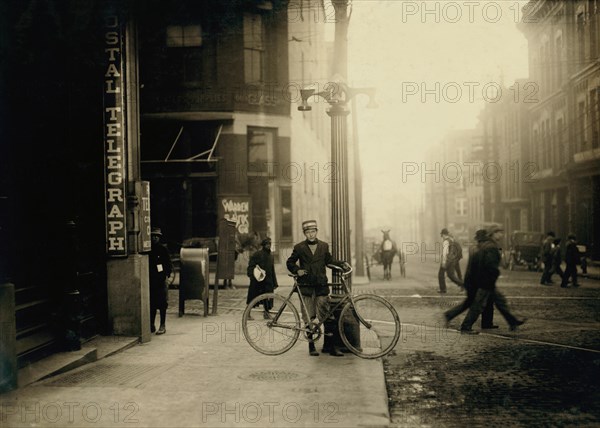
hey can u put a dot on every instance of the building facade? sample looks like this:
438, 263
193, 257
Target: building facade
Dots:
221, 134
122, 115
564, 48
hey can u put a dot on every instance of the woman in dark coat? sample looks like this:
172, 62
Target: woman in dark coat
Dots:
264, 259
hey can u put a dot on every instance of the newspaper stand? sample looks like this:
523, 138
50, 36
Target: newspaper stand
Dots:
193, 277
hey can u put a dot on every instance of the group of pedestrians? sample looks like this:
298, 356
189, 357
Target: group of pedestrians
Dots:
483, 270
551, 256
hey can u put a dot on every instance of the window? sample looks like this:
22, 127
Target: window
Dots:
461, 206
261, 173
180, 36
563, 157
189, 60
286, 213
548, 148
593, 30
581, 38
254, 48
260, 149
581, 127
594, 118
559, 62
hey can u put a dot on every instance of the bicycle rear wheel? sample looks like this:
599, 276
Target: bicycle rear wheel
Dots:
271, 336
381, 332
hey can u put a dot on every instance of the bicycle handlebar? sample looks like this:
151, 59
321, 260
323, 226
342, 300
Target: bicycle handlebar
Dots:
342, 271
332, 267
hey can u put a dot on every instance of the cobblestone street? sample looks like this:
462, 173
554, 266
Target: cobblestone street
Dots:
546, 374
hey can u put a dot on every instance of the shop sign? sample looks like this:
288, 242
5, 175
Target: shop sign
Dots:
145, 224
237, 209
114, 140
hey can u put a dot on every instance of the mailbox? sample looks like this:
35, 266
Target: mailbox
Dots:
193, 277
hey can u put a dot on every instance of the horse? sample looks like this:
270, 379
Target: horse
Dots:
388, 250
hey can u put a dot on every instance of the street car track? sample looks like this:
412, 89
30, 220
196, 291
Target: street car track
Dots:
537, 342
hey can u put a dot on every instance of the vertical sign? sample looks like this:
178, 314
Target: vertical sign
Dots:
114, 140
143, 192
236, 208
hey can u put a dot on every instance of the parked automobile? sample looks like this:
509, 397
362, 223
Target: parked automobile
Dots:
524, 250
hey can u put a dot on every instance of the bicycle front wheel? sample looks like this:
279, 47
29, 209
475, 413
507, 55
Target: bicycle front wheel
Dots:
371, 327
272, 330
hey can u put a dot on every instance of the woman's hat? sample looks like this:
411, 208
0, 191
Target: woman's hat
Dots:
156, 231
309, 224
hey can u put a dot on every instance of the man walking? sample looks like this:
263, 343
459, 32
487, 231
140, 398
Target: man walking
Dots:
487, 274
546, 253
572, 257
471, 286
449, 265
557, 260
313, 256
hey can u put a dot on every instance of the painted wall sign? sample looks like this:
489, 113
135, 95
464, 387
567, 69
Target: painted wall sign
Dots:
144, 195
114, 140
237, 208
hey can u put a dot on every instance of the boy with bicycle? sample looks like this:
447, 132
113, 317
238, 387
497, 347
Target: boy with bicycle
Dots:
313, 256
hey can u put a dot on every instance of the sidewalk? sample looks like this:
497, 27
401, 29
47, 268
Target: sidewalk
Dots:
203, 373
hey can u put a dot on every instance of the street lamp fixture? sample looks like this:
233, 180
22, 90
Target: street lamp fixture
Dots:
336, 93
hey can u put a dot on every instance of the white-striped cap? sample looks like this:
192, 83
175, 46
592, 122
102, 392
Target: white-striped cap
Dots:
309, 224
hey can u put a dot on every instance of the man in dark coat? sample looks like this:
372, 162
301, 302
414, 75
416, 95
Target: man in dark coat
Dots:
546, 253
487, 317
264, 260
313, 256
160, 268
487, 274
572, 257
557, 260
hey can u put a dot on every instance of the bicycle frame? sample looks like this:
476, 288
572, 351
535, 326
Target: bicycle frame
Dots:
296, 289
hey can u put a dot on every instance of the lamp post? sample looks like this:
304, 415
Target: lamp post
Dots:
337, 94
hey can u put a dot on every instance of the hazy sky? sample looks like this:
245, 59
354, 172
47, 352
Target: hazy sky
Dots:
404, 47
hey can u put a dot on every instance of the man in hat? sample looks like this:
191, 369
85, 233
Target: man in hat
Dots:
487, 317
572, 257
547, 255
487, 274
313, 256
449, 265
267, 283
160, 268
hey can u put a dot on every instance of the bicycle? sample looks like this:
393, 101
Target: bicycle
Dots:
368, 324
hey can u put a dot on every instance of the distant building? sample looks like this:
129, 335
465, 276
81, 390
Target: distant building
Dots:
508, 172
447, 184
